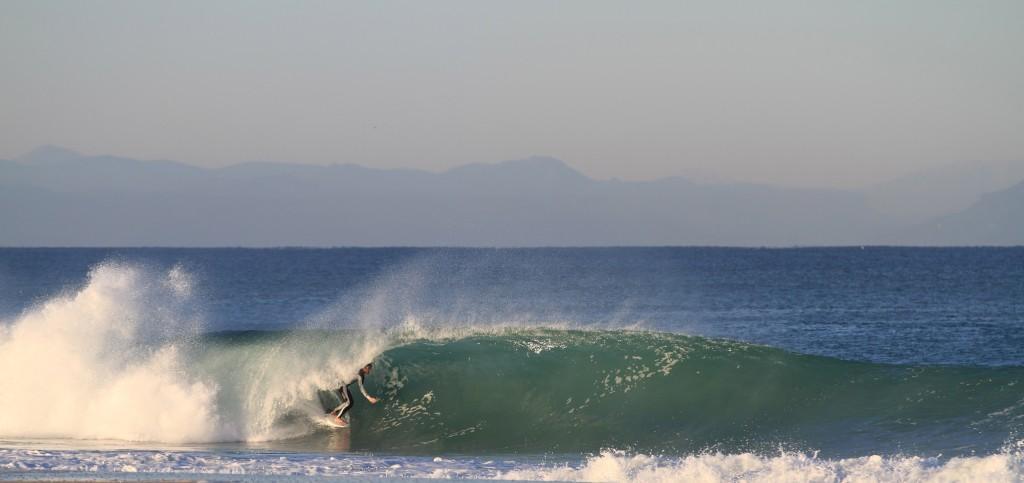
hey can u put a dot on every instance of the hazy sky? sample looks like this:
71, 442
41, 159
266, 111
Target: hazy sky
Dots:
795, 92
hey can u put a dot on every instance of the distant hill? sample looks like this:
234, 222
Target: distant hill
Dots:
997, 219
942, 190
53, 196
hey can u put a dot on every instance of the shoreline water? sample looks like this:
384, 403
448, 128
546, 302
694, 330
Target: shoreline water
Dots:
607, 466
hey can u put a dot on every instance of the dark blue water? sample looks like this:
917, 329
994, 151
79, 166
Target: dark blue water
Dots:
962, 306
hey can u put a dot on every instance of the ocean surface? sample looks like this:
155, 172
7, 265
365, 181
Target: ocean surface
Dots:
595, 364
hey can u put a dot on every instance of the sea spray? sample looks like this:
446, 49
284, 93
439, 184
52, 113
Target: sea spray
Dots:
123, 358
105, 362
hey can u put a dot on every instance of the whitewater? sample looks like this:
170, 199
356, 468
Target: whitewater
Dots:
127, 374
120, 359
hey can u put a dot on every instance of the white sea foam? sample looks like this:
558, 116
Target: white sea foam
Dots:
610, 466
617, 466
106, 362
117, 359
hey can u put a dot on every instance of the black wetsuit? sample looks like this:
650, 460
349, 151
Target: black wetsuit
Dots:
346, 397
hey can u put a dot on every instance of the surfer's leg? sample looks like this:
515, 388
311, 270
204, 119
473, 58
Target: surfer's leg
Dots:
347, 404
346, 401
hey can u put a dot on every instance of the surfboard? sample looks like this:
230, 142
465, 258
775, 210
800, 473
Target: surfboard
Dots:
332, 421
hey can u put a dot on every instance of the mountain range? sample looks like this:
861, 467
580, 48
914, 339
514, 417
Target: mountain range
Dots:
56, 197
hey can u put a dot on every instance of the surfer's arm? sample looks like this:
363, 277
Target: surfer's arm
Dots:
362, 389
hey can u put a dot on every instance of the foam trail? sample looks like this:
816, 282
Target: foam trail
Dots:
609, 466
617, 466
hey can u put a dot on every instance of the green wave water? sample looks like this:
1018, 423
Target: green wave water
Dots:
570, 391
567, 391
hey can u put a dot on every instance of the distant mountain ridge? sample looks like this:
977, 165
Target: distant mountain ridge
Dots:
54, 196
997, 219
942, 190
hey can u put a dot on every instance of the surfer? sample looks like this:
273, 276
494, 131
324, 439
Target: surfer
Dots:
346, 397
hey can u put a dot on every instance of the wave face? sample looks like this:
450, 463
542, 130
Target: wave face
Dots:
125, 358
573, 391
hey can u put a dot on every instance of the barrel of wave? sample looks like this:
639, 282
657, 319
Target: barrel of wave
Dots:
540, 390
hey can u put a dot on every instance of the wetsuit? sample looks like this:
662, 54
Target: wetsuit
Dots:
346, 397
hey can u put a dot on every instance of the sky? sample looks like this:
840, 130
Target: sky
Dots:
806, 93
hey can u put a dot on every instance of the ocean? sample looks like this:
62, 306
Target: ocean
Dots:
568, 364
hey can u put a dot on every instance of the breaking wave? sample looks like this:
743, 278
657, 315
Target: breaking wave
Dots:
125, 358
